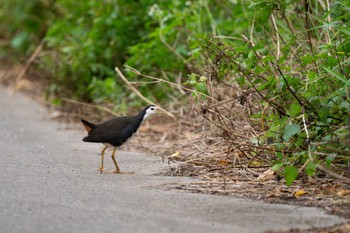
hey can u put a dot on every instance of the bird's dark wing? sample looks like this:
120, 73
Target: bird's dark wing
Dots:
112, 131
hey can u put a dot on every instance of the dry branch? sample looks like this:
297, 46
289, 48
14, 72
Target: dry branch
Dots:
139, 94
135, 71
103, 108
24, 70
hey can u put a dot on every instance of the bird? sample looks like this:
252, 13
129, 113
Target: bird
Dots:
115, 132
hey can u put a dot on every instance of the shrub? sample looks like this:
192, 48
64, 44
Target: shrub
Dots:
298, 67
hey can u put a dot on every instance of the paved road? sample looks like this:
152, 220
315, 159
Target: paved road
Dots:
49, 183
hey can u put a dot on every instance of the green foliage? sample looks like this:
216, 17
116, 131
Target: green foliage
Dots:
23, 24
310, 168
301, 77
85, 40
89, 39
290, 174
289, 131
198, 84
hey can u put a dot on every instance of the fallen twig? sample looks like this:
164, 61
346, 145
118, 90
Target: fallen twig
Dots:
332, 174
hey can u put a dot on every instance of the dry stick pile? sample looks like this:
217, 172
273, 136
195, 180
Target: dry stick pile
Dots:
216, 145
198, 146
211, 142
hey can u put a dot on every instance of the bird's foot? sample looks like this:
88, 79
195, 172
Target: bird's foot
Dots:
100, 170
119, 172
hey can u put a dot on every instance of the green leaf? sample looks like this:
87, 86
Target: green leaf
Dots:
201, 87
323, 113
345, 105
290, 174
256, 141
256, 116
290, 130
310, 168
20, 41
294, 110
279, 155
312, 75
276, 166
264, 86
338, 76
329, 160
56, 101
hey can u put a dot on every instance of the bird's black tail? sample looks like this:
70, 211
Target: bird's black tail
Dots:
88, 125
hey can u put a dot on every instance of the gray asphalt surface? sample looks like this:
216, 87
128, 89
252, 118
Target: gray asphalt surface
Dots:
49, 183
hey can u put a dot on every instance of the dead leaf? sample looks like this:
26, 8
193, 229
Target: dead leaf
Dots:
343, 192
299, 193
267, 175
23, 84
177, 154
223, 162
255, 163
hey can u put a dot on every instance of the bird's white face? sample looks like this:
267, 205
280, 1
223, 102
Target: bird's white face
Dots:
151, 110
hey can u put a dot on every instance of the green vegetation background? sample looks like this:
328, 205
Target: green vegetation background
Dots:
293, 54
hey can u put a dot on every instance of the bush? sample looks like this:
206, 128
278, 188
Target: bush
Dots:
23, 25
298, 67
89, 39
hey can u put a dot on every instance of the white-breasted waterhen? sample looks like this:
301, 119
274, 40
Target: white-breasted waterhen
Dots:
115, 132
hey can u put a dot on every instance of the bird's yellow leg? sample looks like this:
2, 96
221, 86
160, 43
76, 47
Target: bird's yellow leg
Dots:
102, 156
117, 170
115, 162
